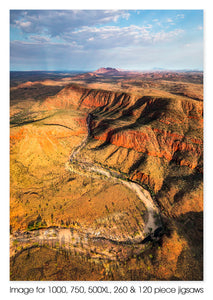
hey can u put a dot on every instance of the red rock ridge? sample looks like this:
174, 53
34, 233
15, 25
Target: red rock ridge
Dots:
154, 141
81, 97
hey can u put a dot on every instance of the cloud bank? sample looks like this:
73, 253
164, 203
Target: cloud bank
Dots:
87, 39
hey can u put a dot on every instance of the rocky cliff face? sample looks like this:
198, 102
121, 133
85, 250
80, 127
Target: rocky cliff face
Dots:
157, 143
81, 97
162, 136
150, 137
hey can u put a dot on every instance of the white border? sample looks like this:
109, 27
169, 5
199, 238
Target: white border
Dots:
208, 109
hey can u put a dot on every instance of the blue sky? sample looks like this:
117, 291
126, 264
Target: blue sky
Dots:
90, 39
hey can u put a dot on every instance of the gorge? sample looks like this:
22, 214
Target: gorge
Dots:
106, 177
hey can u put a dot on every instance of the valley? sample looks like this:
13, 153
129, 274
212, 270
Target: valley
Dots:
106, 173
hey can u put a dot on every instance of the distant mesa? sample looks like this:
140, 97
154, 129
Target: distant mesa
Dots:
103, 72
113, 72
107, 71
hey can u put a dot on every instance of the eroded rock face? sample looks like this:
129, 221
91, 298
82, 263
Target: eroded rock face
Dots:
169, 129
78, 96
157, 143
154, 140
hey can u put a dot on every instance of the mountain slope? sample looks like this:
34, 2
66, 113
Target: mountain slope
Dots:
153, 136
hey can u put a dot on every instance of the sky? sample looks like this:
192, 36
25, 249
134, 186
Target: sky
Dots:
85, 40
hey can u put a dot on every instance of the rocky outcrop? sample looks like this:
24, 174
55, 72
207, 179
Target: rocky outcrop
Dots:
154, 142
168, 135
166, 131
80, 97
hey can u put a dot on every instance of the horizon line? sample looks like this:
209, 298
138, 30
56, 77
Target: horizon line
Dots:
123, 70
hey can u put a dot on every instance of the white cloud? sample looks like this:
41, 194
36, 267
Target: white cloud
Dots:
58, 22
47, 55
180, 16
166, 36
40, 39
24, 25
114, 36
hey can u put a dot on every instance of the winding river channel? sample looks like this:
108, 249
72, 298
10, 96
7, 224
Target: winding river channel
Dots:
144, 195
86, 241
